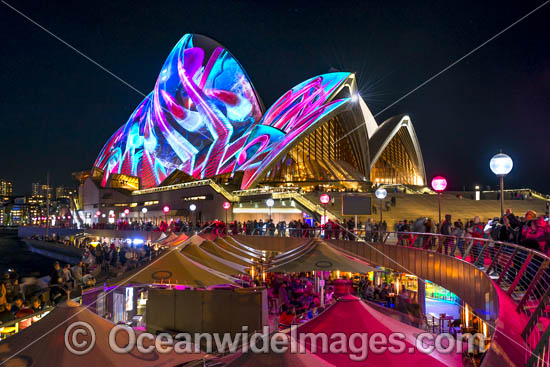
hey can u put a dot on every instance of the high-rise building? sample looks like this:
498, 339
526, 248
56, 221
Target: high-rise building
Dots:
6, 188
62, 192
40, 190
36, 188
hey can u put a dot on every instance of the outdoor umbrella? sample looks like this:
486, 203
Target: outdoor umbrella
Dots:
216, 250
272, 359
350, 315
221, 242
43, 344
201, 256
165, 239
175, 268
243, 246
321, 256
176, 240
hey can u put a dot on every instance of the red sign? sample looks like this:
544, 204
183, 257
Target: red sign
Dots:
325, 199
439, 184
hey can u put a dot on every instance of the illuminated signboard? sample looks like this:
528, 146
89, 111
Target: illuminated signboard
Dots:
129, 298
200, 197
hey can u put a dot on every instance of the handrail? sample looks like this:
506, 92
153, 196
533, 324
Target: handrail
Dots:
251, 192
15, 323
220, 190
308, 204
208, 182
533, 192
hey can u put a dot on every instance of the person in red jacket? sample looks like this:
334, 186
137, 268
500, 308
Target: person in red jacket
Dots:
26, 310
477, 231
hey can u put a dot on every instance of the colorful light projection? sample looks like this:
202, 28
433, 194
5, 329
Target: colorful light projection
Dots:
297, 111
204, 118
194, 119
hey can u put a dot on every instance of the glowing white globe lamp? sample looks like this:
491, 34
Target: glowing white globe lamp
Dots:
501, 164
381, 193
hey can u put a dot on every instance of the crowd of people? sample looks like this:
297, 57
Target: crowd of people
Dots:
18, 300
23, 297
111, 258
294, 298
144, 225
530, 231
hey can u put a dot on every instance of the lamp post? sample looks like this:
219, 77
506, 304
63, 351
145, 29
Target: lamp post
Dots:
324, 199
226, 206
439, 184
381, 194
192, 208
165, 209
144, 211
269, 203
501, 164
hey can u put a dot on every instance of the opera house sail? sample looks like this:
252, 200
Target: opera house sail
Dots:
204, 119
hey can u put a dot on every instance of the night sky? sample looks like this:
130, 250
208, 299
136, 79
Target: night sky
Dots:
57, 109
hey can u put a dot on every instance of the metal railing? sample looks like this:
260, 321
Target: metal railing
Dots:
13, 327
522, 273
269, 190
219, 189
306, 203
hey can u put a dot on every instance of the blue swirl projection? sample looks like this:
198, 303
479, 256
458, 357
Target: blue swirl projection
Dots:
204, 118
201, 105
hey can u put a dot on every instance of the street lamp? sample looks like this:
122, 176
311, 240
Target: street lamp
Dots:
192, 208
165, 209
501, 164
269, 203
144, 211
324, 199
381, 194
439, 184
226, 206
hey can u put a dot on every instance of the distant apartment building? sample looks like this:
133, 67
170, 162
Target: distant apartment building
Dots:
62, 192
39, 189
6, 188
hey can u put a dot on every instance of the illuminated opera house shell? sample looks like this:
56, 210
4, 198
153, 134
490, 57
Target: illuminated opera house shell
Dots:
204, 119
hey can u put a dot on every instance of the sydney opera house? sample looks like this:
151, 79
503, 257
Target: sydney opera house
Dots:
203, 136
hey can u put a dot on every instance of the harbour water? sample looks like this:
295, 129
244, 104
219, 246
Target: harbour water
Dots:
15, 255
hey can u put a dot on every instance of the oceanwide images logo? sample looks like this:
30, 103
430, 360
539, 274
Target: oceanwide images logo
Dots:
80, 339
